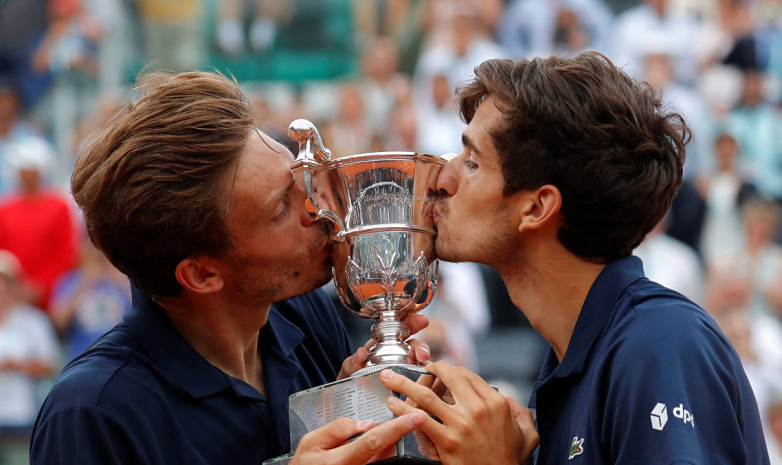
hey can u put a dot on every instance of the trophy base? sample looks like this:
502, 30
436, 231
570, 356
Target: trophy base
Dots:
360, 397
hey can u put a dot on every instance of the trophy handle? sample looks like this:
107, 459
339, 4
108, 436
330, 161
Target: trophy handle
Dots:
312, 154
310, 144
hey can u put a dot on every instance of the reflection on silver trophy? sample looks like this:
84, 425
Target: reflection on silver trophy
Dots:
384, 265
384, 268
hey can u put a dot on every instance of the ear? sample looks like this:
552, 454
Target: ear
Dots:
540, 208
200, 275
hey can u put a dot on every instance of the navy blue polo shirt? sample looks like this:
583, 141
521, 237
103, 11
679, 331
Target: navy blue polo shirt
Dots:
648, 378
142, 395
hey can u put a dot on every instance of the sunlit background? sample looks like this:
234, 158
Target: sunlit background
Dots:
379, 75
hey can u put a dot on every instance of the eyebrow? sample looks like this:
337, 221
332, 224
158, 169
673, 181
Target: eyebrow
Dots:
467, 142
279, 198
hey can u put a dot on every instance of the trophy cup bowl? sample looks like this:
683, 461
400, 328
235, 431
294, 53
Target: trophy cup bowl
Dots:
383, 268
383, 260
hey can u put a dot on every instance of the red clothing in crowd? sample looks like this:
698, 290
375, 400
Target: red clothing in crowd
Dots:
40, 231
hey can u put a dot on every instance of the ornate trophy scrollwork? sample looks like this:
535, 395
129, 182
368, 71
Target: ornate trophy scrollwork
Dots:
384, 266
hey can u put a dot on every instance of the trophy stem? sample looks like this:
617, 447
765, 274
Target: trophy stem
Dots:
390, 335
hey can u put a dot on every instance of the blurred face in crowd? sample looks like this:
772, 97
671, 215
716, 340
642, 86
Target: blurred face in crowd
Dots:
752, 92
726, 152
474, 218
277, 250
441, 91
775, 421
30, 179
761, 220
9, 110
351, 104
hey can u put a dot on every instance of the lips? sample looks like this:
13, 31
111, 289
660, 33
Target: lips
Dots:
437, 209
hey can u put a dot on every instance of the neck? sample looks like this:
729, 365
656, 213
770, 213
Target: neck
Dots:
225, 335
551, 296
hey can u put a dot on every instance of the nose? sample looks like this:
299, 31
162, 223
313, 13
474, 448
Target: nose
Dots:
448, 179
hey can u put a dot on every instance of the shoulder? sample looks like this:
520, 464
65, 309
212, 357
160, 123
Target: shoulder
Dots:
668, 376
666, 321
117, 398
99, 376
665, 347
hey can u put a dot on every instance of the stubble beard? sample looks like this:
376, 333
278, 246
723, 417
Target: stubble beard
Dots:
281, 281
488, 247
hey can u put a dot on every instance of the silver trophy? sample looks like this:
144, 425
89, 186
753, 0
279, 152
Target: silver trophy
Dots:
384, 269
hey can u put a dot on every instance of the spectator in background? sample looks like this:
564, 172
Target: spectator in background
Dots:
28, 352
758, 262
13, 128
70, 54
172, 34
685, 220
24, 25
438, 21
456, 54
649, 22
400, 20
402, 130
657, 68
774, 436
755, 124
764, 373
381, 83
349, 132
541, 27
718, 81
36, 223
88, 301
233, 34
439, 127
671, 263
724, 193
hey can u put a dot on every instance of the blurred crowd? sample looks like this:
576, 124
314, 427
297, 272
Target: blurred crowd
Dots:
380, 75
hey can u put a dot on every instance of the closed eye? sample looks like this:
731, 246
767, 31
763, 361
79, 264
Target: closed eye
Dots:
284, 209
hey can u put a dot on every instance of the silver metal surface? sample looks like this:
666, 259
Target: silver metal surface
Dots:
360, 398
380, 207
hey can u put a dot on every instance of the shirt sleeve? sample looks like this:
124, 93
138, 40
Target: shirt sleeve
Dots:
84, 435
677, 393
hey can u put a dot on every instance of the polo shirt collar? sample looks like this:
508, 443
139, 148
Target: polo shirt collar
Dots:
598, 307
170, 351
183, 364
286, 336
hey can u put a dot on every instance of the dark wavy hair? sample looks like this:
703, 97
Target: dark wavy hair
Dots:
604, 140
152, 183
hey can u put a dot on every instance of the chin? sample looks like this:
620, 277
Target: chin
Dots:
446, 253
324, 280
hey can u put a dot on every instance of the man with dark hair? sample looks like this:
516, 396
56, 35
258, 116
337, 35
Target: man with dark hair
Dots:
202, 212
567, 165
